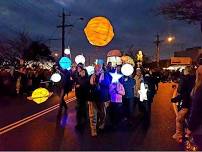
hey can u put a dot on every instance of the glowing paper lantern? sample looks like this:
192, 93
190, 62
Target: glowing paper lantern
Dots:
142, 92
67, 51
128, 60
127, 69
90, 70
140, 56
115, 77
80, 59
99, 31
65, 63
56, 77
40, 95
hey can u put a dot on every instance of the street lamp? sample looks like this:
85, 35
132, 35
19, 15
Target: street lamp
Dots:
170, 39
158, 42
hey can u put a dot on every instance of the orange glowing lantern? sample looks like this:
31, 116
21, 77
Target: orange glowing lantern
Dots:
99, 31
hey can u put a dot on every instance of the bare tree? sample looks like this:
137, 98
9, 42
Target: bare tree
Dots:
20, 44
189, 11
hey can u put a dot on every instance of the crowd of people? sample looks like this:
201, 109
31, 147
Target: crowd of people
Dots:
100, 99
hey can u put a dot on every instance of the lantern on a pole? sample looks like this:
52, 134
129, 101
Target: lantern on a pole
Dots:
40, 95
65, 63
80, 59
99, 31
67, 51
56, 77
127, 69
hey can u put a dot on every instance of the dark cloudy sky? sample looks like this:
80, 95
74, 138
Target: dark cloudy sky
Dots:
134, 22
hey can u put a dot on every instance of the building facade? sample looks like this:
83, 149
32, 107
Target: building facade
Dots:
194, 53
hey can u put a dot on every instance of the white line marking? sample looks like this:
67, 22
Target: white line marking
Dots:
30, 118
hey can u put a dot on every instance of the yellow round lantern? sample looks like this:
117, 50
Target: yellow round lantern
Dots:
99, 31
40, 95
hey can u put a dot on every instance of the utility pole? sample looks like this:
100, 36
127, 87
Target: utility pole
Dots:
158, 42
63, 29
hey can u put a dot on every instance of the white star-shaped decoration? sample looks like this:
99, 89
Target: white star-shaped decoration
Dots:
115, 77
143, 92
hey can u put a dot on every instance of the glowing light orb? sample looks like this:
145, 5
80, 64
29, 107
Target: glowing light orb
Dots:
127, 69
80, 59
99, 31
65, 63
115, 77
40, 95
56, 77
67, 51
90, 70
143, 92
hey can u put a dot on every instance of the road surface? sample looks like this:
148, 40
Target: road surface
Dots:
50, 131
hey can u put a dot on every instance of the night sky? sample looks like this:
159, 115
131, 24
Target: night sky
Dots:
134, 22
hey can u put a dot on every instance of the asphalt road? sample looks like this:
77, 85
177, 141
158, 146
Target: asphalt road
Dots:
48, 131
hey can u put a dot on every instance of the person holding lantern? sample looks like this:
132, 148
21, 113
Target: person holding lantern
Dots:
99, 93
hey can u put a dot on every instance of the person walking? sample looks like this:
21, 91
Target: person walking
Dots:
116, 91
66, 87
128, 99
82, 89
99, 95
138, 79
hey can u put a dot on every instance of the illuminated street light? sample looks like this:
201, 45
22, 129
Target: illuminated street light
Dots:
170, 39
158, 42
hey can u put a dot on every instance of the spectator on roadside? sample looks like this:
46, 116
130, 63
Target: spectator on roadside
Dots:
184, 101
195, 119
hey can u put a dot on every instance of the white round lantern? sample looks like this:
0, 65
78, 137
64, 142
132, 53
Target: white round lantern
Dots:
67, 51
80, 59
127, 69
56, 77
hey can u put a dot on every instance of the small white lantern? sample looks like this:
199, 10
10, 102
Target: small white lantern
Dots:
80, 59
127, 69
56, 77
67, 51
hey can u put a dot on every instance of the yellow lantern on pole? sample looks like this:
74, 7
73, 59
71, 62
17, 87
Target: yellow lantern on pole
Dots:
40, 95
99, 31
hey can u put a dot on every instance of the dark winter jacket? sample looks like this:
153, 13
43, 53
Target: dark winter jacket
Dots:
195, 119
67, 83
99, 92
83, 90
185, 87
128, 84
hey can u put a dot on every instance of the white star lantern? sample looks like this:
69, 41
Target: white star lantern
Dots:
143, 92
115, 77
